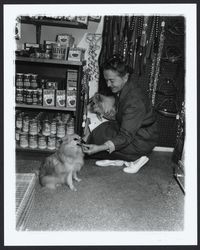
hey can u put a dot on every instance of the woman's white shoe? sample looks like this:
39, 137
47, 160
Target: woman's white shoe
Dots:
134, 167
105, 163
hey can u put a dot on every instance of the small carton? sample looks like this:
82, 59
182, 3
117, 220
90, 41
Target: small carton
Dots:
49, 97
60, 98
71, 99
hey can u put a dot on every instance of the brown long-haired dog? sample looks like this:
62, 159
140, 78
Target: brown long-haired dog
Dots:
62, 166
103, 106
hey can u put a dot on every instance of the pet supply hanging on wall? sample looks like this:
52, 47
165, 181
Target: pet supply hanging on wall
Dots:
93, 40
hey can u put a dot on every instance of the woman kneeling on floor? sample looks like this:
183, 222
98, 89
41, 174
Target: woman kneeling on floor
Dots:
130, 138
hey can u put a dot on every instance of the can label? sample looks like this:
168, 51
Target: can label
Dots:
42, 142
33, 141
53, 127
19, 95
33, 127
23, 140
61, 130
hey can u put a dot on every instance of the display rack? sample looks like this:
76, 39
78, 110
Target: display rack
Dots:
49, 61
57, 68
52, 22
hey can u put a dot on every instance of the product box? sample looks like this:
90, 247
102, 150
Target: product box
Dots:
72, 76
71, 99
65, 39
60, 98
76, 54
47, 42
71, 85
27, 46
82, 19
49, 97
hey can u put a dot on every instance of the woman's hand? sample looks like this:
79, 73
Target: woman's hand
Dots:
92, 148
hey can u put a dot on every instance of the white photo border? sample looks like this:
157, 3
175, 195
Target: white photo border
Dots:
186, 237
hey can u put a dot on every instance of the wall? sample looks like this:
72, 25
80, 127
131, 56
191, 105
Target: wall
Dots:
28, 35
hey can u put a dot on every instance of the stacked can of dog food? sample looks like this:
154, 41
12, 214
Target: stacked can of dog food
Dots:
42, 130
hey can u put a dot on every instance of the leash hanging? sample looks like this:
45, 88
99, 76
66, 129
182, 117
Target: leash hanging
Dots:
93, 40
160, 48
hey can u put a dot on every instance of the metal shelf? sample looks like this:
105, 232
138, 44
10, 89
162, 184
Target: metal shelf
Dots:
53, 22
50, 61
37, 150
25, 106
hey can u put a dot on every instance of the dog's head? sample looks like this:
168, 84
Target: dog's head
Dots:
70, 149
103, 106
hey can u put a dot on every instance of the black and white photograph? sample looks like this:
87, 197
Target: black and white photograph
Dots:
100, 124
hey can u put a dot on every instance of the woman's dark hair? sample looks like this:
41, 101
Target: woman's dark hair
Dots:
115, 63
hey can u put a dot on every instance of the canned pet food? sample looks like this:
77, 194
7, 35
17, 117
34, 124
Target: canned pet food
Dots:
23, 140
42, 142
19, 80
70, 127
34, 97
19, 121
46, 128
25, 126
53, 127
27, 81
59, 51
34, 84
17, 134
19, 95
29, 98
51, 142
60, 130
33, 141
33, 127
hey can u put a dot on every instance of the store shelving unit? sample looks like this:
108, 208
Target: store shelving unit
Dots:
59, 68
52, 69
50, 22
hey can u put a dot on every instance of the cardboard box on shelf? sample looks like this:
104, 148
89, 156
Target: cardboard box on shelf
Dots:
60, 98
71, 98
49, 97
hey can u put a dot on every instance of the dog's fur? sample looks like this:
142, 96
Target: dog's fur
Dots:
62, 166
103, 106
